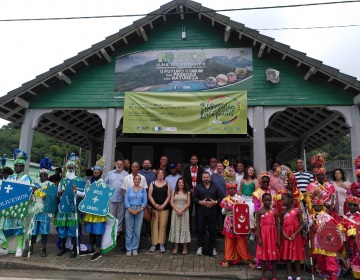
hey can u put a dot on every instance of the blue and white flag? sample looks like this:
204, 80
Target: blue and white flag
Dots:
67, 200
96, 199
12, 193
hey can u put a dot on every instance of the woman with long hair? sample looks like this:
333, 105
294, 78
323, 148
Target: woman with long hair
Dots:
180, 227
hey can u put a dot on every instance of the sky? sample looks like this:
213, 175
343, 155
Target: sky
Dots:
30, 48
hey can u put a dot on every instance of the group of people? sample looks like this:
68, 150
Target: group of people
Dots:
281, 203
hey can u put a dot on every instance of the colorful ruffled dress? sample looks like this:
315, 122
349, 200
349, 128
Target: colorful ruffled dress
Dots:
327, 189
349, 222
269, 236
292, 249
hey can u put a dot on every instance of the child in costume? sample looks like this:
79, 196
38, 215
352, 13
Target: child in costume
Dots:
355, 186
268, 235
285, 174
41, 222
350, 220
292, 245
236, 247
327, 188
327, 263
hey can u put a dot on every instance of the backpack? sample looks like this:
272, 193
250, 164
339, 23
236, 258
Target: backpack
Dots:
207, 248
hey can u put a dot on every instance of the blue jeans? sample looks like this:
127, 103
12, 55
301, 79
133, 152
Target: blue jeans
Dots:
133, 228
210, 222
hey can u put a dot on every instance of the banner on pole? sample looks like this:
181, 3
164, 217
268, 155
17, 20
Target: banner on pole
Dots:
67, 200
52, 200
12, 194
186, 113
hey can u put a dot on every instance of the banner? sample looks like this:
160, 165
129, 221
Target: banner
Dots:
96, 199
67, 200
12, 193
241, 218
185, 70
186, 113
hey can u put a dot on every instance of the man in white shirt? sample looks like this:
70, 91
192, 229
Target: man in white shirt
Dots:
212, 168
129, 179
240, 174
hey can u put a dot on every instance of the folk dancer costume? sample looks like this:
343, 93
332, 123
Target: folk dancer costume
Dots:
65, 222
355, 186
102, 229
287, 177
327, 188
40, 225
258, 204
349, 223
11, 226
327, 263
2, 165
236, 247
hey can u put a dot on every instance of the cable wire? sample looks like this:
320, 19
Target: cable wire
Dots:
314, 27
195, 12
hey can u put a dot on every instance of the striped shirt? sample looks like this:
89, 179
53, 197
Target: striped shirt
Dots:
303, 179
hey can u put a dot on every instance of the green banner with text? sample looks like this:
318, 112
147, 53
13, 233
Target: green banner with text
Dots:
186, 112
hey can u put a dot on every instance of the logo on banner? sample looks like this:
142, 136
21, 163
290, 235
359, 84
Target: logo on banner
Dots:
67, 200
52, 200
241, 218
96, 199
224, 111
12, 194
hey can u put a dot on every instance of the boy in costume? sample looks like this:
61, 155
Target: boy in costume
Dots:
65, 222
236, 247
41, 222
327, 263
10, 226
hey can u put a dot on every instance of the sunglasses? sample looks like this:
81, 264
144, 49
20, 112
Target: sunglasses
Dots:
352, 204
265, 182
18, 165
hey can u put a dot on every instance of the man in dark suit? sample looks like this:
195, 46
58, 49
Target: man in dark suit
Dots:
193, 176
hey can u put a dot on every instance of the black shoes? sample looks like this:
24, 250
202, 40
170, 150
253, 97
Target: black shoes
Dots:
62, 251
43, 252
25, 253
73, 253
96, 256
86, 253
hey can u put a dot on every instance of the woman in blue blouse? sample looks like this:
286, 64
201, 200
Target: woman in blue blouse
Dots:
135, 202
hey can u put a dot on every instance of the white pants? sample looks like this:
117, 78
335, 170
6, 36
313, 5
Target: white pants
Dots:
117, 209
248, 201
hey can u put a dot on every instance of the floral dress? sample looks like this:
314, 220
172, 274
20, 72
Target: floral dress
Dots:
180, 228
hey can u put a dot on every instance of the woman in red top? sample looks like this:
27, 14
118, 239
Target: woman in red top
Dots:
268, 236
292, 245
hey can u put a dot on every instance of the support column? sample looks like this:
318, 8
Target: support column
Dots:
92, 154
109, 140
26, 137
300, 148
259, 155
355, 134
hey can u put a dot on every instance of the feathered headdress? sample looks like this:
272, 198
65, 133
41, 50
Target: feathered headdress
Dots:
357, 166
319, 161
20, 157
45, 165
263, 174
100, 165
316, 195
3, 162
284, 173
73, 159
353, 190
353, 199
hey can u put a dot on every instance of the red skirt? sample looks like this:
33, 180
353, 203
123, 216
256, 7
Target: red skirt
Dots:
269, 250
292, 250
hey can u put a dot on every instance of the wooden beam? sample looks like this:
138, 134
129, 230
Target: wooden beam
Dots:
269, 49
63, 77
105, 55
17, 109
21, 102
240, 35
86, 63
330, 79
72, 70
33, 93
347, 86
212, 22
138, 33
151, 25
262, 48
143, 34
199, 16
320, 125
112, 47
299, 64
45, 85
281, 139
126, 42
99, 55
283, 57
309, 73
181, 12
254, 43
164, 17
227, 34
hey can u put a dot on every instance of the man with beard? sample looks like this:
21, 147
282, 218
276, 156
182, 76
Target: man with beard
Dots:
41, 222
127, 165
65, 222
114, 179
204, 163
10, 226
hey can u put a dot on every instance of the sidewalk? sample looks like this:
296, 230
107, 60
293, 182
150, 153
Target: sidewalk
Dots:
145, 263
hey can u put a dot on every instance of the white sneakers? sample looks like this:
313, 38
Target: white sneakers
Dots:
199, 251
3, 251
214, 252
19, 253
252, 236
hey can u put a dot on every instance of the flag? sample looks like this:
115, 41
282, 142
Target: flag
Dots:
157, 128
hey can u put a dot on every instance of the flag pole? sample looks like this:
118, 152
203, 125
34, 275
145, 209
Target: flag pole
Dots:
32, 221
77, 225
